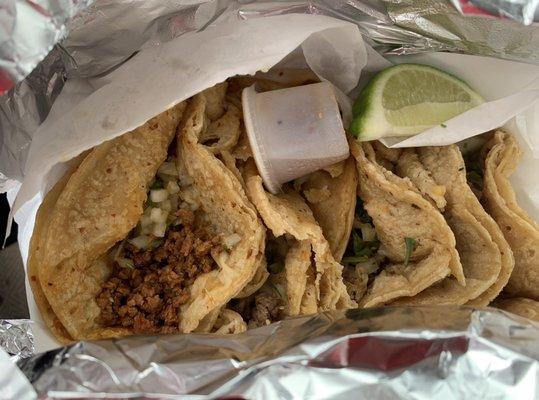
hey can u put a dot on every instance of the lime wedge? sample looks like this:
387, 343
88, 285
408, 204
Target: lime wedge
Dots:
407, 99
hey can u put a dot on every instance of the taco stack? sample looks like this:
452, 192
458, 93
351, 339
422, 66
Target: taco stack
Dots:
169, 228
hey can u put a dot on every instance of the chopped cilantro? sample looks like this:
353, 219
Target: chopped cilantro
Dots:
443, 125
475, 178
357, 242
410, 244
149, 203
474, 170
125, 263
156, 243
278, 289
354, 259
360, 250
362, 213
157, 184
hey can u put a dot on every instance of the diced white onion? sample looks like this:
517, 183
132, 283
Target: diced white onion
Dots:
141, 241
159, 229
158, 195
158, 216
145, 220
172, 187
168, 168
232, 240
119, 249
367, 232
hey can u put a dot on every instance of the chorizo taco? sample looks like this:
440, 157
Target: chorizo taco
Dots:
151, 233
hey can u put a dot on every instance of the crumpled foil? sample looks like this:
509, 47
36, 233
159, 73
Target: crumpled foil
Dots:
16, 338
109, 32
29, 30
520, 10
408, 353
382, 353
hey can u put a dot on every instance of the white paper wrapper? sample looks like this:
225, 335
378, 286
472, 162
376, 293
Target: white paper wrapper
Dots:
90, 111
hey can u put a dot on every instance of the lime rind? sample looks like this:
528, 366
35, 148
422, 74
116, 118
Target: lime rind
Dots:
373, 121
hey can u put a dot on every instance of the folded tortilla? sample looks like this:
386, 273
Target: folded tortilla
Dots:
226, 205
520, 231
524, 307
331, 195
99, 203
399, 211
42, 219
484, 253
229, 322
288, 214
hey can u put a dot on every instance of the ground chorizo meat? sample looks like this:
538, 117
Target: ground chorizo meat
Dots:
148, 297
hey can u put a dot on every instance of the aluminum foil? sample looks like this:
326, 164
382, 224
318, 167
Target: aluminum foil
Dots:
29, 30
16, 338
107, 33
382, 353
408, 353
520, 10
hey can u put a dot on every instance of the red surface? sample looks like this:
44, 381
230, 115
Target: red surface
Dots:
5, 82
386, 354
469, 9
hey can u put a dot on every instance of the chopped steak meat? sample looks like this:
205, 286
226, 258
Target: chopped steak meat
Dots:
148, 297
259, 309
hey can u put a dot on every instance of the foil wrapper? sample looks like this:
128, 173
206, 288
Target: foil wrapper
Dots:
403, 353
16, 338
408, 353
29, 31
520, 10
106, 34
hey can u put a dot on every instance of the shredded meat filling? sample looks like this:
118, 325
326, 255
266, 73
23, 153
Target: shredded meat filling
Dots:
148, 297
259, 309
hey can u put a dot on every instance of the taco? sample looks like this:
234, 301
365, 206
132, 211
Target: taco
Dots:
148, 235
306, 253
400, 244
484, 254
301, 275
501, 155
